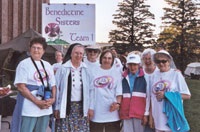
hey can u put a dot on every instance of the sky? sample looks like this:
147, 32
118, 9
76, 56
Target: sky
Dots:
106, 8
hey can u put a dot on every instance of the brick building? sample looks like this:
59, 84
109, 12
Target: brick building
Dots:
17, 16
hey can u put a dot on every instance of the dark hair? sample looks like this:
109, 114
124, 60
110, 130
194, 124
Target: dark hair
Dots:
39, 40
69, 51
104, 52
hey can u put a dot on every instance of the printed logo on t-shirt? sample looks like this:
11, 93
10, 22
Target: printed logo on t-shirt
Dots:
37, 76
103, 82
162, 85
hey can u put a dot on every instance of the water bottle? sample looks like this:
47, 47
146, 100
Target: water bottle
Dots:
47, 93
157, 90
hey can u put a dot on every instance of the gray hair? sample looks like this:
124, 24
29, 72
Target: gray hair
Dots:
148, 51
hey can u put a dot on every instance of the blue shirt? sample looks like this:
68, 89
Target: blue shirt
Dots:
132, 78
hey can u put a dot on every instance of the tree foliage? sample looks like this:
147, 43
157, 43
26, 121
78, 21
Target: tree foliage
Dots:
181, 34
133, 25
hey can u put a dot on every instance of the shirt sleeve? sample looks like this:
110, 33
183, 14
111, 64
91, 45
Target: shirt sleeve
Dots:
21, 75
182, 85
119, 84
92, 96
148, 90
58, 79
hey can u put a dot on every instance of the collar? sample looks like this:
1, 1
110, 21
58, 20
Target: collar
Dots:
68, 64
133, 75
140, 73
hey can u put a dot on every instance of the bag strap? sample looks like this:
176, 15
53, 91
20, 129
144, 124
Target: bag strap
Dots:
39, 71
47, 76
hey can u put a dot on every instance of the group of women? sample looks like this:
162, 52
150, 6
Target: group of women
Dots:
106, 99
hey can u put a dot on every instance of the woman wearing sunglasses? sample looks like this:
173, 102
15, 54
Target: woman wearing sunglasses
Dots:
168, 89
91, 59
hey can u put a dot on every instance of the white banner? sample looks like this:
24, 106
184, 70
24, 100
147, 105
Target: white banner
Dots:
64, 24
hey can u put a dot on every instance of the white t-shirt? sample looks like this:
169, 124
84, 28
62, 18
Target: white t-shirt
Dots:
91, 65
27, 73
56, 66
148, 78
171, 81
107, 85
118, 65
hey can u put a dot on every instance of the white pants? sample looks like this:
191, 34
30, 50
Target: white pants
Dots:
133, 125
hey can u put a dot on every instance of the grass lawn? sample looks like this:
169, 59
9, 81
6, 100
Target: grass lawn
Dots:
192, 106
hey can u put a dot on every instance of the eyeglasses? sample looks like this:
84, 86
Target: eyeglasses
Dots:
92, 50
161, 61
36, 48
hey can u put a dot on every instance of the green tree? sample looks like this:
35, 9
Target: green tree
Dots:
133, 24
182, 27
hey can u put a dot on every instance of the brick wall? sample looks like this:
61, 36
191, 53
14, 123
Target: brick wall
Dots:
17, 16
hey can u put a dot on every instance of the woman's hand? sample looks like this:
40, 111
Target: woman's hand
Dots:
114, 106
144, 120
160, 95
151, 121
50, 101
56, 114
42, 104
90, 114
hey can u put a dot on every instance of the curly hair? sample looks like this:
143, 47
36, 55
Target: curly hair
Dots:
39, 40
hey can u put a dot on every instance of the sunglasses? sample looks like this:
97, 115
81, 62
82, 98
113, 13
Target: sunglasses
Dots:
92, 50
161, 61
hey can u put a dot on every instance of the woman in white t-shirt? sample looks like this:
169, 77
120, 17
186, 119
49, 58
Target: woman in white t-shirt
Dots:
107, 87
149, 68
92, 57
168, 85
33, 77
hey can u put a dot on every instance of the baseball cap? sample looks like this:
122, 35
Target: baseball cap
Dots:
133, 58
